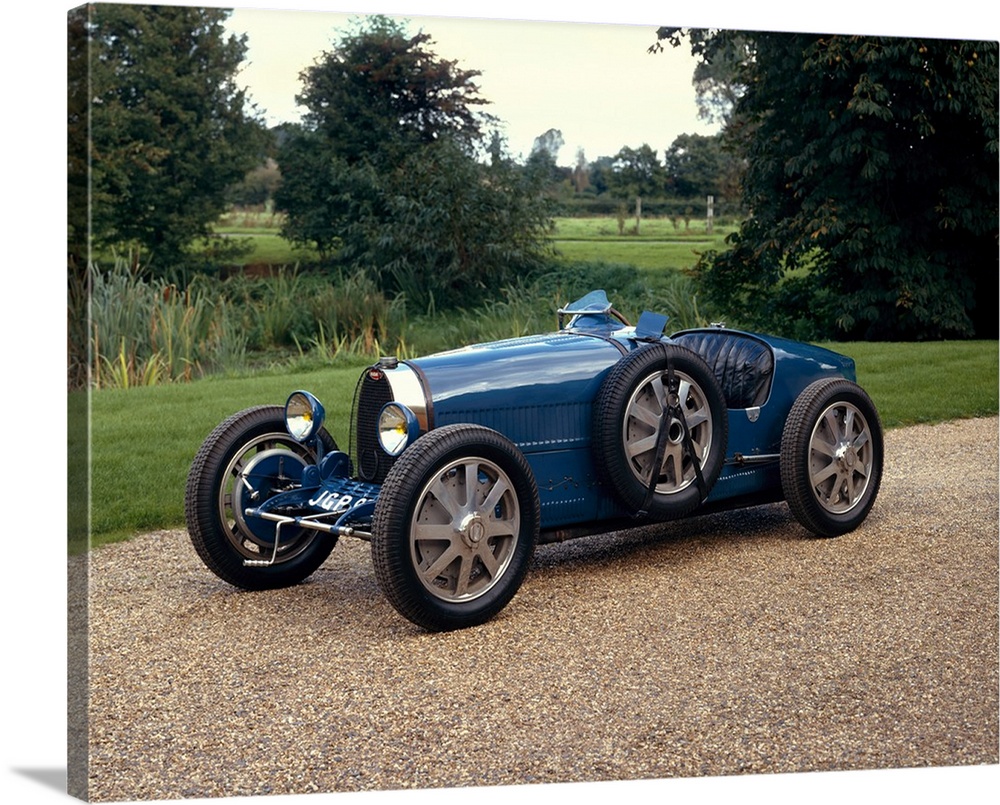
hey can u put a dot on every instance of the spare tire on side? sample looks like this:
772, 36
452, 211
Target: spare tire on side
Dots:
660, 430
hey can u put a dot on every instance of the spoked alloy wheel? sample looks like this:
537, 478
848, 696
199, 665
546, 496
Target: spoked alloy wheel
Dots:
247, 459
641, 431
464, 529
455, 525
831, 457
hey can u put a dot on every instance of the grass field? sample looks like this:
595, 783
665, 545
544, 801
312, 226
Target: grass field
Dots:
143, 439
659, 244
259, 231
643, 254
654, 229
269, 248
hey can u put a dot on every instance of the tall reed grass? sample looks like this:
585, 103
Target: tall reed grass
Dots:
129, 330
144, 331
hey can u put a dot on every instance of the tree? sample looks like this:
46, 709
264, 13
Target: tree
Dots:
551, 142
77, 140
381, 91
257, 187
457, 232
697, 166
542, 159
601, 172
871, 182
717, 75
542, 170
637, 173
580, 177
383, 176
169, 130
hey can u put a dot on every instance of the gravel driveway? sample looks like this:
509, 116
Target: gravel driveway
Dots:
726, 644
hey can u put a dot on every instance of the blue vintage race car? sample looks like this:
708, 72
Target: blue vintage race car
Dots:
460, 463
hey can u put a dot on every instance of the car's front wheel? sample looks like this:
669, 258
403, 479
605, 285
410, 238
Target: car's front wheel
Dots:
831, 457
245, 460
454, 528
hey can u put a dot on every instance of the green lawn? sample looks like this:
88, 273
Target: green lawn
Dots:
269, 248
659, 244
643, 254
143, 439
272, 249
930, 382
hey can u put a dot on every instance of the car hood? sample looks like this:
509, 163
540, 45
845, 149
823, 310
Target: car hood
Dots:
563, 367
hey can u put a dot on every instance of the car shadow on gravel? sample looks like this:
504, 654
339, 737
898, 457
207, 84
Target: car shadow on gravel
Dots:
343, 594
770, 522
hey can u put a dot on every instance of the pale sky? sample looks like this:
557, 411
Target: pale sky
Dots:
594, 82
580, 68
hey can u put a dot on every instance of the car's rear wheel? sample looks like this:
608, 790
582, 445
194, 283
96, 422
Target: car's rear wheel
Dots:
660, 430
831, 456
245, 460
454, 528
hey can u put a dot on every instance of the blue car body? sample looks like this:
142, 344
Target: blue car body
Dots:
459, 463
539, 392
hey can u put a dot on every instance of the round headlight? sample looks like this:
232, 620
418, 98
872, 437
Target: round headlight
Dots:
304, 415
397, 427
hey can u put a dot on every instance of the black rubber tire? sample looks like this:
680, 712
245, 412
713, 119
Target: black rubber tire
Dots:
404, 551
638, 373
809, 449
221, 539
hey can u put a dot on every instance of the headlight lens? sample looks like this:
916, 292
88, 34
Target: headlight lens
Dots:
304, 415
397, 427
